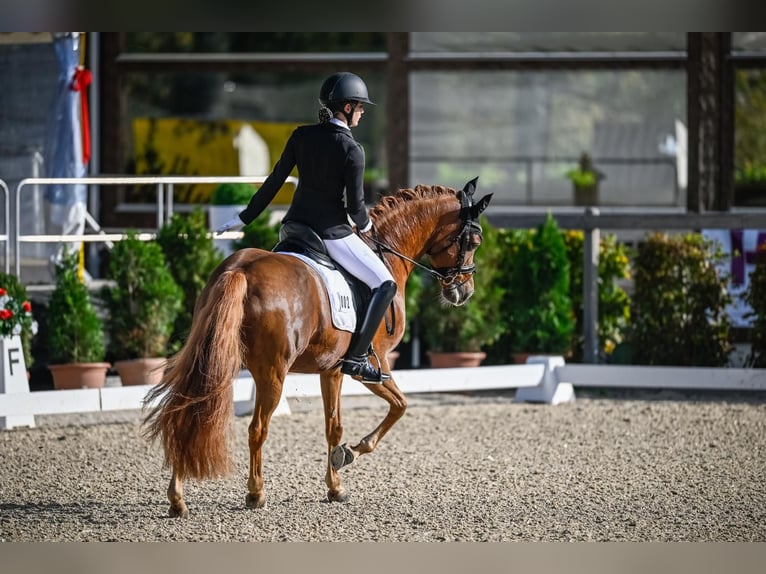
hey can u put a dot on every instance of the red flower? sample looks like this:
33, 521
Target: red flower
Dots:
3, 292
27, 306
5, 314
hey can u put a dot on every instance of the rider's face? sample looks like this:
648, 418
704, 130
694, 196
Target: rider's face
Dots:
357, 111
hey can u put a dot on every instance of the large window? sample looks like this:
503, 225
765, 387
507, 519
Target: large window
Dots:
188, 117
522, 131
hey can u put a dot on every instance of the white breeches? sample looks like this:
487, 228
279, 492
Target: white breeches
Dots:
355, 257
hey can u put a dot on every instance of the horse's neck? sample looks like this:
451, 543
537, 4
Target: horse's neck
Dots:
411, 229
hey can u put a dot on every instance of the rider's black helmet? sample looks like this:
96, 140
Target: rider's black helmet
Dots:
343, 87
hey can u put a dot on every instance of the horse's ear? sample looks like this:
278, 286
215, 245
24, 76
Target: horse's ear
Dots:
470, 187
480, 206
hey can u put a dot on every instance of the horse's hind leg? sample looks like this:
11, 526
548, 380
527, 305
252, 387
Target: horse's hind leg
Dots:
178, 507
266, 401
331, 386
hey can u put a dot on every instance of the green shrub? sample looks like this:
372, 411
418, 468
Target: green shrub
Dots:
144, 301
679, 303
613, 301
413, 291
536, 303
191, 257
471, 326
75, 332
260, 233
22, 320
233, 194
755, 296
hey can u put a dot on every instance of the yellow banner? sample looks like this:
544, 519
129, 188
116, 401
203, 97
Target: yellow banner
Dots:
172, 146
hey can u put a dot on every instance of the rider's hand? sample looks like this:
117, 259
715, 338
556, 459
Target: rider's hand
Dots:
231, 224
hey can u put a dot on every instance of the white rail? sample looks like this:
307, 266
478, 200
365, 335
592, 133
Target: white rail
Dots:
7, 221
164, 204
545, 380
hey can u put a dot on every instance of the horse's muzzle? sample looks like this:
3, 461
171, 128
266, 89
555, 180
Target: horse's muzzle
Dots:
456, 295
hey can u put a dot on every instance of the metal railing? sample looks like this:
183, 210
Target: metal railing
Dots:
590, 220
164, 204
6, 221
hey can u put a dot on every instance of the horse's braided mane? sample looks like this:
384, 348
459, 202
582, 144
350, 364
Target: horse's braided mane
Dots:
419, 192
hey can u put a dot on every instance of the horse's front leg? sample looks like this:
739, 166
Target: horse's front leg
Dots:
397, 405
266, 401
331, 386
178, 507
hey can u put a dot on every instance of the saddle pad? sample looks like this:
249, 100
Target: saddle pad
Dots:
338, 292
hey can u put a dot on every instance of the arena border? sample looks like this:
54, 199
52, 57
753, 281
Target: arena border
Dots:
544, 379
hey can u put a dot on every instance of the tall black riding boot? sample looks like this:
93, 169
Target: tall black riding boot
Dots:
357, 362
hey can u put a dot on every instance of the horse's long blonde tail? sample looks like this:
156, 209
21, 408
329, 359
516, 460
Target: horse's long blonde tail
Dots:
195, 409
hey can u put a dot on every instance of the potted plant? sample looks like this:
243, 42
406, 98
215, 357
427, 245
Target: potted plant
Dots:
227, 200
456, 336
191, 257
536, 304
142, 302
679, 304
585, 179
75, 332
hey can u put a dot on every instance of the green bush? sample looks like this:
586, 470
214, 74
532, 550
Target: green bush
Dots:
191, 257
17, 296
470, 327
260, 232
755, 296
75, 332
413, 290
679, 303
143, 302
613, 301
536, 304
233, 194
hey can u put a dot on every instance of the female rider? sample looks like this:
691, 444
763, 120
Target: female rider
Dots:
330, 166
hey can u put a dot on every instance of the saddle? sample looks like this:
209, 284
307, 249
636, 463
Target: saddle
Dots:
296, 237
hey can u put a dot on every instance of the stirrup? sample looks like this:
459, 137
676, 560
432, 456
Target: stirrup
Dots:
360, 369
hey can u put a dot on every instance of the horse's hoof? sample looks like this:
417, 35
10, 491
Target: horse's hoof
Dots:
341, 456
255, 500
337, 496
179, 511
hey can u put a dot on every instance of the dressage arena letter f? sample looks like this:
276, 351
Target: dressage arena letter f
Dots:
13, 358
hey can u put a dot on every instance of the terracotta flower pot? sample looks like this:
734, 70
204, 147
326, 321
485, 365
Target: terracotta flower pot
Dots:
440, 360
79, 375
144, 371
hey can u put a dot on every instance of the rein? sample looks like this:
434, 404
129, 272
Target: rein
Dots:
446, 275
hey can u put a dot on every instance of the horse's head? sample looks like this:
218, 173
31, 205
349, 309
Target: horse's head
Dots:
452, 252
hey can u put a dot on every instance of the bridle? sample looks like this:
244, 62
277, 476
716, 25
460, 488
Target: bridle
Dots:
446, 275
469, 215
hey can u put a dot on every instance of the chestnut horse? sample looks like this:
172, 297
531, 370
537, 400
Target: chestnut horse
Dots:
270, 312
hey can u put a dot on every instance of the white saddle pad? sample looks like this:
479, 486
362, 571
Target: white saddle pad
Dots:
338, 292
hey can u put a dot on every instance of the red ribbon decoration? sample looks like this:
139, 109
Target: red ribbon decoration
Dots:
80, 82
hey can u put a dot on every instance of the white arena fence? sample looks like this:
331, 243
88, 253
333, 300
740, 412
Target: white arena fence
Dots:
544, 379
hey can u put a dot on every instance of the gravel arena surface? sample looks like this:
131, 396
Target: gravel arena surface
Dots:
634, 466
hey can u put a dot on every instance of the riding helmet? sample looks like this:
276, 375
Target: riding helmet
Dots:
342, 87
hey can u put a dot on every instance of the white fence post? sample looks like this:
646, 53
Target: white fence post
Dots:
14, 379
550, 390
